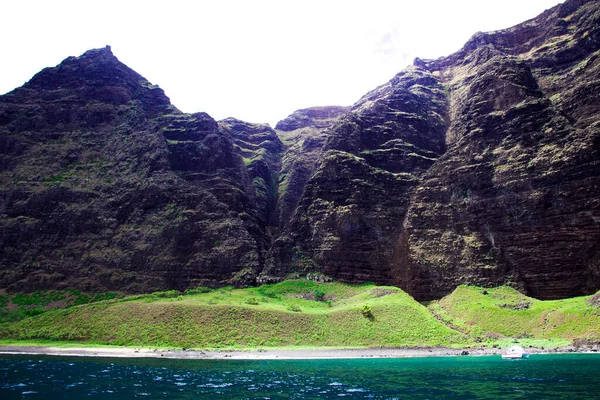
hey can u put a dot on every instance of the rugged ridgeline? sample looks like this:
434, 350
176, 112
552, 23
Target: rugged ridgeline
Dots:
481, 167
106, 185
516, 197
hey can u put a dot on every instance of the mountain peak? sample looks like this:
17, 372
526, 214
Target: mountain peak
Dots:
317, 116
96, 75
97, 65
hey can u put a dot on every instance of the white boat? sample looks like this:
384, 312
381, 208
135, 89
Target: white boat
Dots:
515, 352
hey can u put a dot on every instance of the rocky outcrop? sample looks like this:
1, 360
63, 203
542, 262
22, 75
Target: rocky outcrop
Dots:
352, 208
481, 167
106, 185
260, 148
304, 133
314, 117
515, 199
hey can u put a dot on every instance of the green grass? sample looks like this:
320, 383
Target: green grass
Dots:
490, 314
279, 315
51, 343
17, 306
304, 313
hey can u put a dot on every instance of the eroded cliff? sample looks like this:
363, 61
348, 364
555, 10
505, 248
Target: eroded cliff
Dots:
481, 167
515, 199
106, 185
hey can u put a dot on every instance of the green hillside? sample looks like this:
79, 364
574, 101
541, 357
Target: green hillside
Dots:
292, 313
300, 313
490, 314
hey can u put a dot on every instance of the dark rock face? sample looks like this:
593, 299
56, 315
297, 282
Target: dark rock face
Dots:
515, 197
352, 208
304, 143
105, 185
481, 167
260, 148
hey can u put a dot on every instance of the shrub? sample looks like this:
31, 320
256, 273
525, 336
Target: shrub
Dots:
366, 312
167, 294
34, 311
199, 290
252, 301
319, 294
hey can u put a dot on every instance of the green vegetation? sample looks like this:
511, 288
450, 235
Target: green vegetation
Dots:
260, 186
17, 306
494, 314
284, 314
303, 313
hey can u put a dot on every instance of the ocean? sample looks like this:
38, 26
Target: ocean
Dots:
570, 376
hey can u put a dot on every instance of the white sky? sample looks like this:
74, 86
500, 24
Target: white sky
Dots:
256, 60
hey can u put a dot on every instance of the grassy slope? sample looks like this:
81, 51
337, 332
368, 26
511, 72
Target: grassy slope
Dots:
288, 314
284, 314
494, 313
17, 306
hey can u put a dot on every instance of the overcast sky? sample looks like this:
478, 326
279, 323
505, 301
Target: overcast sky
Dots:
254, 60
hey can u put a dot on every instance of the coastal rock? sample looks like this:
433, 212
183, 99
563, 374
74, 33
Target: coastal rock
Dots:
482, 167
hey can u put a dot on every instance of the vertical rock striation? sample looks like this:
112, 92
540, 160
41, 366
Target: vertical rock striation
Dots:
481, 167
304, 134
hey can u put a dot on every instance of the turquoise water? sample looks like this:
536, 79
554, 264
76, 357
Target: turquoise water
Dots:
540, 377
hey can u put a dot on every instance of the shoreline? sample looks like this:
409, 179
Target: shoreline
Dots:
274, 354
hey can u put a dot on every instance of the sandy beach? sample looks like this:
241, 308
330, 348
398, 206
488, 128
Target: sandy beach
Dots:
272, 354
